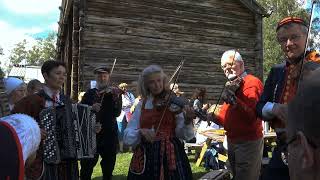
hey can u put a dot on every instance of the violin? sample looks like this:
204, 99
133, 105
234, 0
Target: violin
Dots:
176, 104
116, 92
232, 85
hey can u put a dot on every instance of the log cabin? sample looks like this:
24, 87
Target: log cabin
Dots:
139, 33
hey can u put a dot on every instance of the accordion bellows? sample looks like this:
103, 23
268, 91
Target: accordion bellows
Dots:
70, 133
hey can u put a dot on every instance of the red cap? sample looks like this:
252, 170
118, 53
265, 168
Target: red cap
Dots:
289, 20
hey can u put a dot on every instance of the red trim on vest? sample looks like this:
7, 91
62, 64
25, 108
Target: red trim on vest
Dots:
19, 147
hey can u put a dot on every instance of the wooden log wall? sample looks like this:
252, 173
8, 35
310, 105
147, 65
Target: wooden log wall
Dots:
143, 32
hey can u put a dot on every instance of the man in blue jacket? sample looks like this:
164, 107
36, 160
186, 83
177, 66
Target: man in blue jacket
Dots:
280, 88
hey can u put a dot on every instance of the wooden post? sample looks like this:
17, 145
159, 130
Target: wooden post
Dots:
259, 46
75, 51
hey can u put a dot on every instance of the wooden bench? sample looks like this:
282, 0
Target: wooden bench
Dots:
221, 174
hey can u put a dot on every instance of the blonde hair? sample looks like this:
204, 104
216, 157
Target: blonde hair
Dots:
123, 85
143, 78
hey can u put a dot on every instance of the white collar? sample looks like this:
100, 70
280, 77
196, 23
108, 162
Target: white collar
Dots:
50, 92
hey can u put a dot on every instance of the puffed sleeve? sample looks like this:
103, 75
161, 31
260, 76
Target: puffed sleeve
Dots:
131, 133
183, 131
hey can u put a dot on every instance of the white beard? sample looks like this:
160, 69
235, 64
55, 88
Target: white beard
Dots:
101, 85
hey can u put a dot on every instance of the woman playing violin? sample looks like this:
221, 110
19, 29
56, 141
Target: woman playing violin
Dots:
155, 132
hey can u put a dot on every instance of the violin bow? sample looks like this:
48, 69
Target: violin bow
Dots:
307, 42
114, 64
178, 70
175, 72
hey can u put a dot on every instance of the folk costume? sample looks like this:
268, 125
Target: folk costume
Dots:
32, 105
280, 87
20, 139
244, 129
107, 138
165, 158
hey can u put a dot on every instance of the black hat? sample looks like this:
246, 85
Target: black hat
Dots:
101, 70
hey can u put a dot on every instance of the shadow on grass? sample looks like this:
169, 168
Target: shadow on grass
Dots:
115, 177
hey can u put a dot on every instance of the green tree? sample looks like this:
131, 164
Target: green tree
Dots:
280, 9
43, 50
1, 51
19, 52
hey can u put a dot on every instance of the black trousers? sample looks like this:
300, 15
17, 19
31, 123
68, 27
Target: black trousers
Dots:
107, 149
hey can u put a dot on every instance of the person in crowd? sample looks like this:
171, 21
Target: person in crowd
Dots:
54, 73
134, 105
238, 117
20, 140
15, 89
106, 102
154, 132
303, 133
125, 116
34, 86
280, 88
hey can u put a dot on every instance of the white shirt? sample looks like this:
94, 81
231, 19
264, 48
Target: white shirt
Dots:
49, 92
132, 136
127, 100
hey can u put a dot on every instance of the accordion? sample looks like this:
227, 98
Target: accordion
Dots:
70, 133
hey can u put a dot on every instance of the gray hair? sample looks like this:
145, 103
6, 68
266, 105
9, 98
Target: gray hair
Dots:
232, 53
143, 78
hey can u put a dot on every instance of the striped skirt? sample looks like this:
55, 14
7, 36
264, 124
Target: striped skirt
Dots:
151, 161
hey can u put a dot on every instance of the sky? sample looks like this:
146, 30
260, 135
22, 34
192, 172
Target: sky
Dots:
26, 19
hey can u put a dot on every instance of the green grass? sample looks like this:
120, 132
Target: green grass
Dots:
122, 164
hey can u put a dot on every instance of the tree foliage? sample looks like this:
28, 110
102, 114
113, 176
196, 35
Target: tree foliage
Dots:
280, 9
1, 51
43, 50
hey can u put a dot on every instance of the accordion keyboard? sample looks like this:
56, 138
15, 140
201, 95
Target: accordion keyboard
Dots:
51, 146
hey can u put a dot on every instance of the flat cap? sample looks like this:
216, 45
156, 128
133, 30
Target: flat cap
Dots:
101, 70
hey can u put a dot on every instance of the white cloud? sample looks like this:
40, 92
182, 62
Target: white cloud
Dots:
54, 26
11, 35
32, 6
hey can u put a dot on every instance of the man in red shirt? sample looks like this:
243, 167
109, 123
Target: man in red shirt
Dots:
237, 115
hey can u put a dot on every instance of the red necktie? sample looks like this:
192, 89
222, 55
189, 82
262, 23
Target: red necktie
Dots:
54, 99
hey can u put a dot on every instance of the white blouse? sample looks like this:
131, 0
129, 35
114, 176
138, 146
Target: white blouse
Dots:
131, 133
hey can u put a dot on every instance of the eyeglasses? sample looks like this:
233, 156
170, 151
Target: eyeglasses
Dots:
228, 65
293, 38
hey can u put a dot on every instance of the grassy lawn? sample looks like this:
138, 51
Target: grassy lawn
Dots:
121, 170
